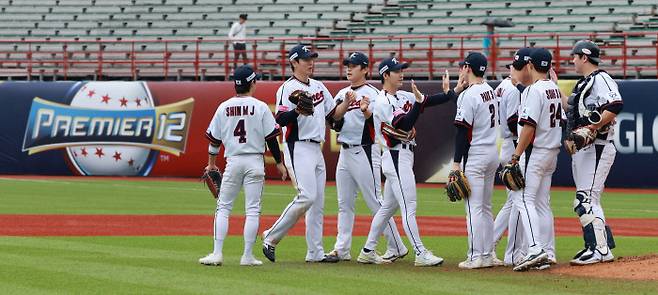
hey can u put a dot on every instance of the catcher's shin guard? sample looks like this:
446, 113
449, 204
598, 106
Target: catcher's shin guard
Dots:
594, 231
610, 238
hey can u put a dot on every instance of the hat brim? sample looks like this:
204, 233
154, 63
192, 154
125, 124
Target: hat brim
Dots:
400, 66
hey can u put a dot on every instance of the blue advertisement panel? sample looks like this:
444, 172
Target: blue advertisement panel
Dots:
156, 129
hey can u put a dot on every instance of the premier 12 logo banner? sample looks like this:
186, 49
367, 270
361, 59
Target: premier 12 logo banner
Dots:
52, 125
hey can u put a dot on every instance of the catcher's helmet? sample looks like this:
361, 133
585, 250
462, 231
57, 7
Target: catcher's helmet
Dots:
589, 49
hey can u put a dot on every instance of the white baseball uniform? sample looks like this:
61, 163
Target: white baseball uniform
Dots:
476, 111
359, 167
591, 165
541, 107
397, 166
305, 163
242, 124
508, 217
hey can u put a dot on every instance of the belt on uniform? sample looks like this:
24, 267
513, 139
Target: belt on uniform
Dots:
406, 146
309, 140
601, 141
349, 146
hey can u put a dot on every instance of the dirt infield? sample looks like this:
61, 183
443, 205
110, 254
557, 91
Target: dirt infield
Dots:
192, 225
627, 268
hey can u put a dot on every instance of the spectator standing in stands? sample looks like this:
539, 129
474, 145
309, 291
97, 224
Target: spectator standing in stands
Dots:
238, 34
487, 42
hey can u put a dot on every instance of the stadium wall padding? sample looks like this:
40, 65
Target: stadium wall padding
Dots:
179, 112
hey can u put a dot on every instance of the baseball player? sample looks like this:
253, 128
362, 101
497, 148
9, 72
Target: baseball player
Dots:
539, 142
303, 154
395, 114
509, 97
359, 162
243, 124
475, 152
594, 104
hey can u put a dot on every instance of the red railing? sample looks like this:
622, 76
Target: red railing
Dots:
202, 59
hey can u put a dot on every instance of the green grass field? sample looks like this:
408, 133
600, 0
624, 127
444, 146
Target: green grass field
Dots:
167, 265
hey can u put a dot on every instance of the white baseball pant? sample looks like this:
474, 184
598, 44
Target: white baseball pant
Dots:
305, 164
590, 167
480, 170
359, 167
508, 217
399, 192
241, 170
537, 166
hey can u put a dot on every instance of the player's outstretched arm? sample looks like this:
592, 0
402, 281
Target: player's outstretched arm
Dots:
343, 106
439, 98
407, 121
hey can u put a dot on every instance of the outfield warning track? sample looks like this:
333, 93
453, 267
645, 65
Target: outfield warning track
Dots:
201, 225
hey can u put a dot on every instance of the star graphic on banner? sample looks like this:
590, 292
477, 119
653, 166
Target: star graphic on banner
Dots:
124, 102
83, 152
99, 152
131, 162
117, 156
91, 93
138, 101
106, 98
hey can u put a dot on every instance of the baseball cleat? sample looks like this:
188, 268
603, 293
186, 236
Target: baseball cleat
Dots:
371, 258
212, 259
542, 266
268, 251
580, 253
531, 260
552, 260
250, 261
471, 264
344, 257
391, 255
480, 262
592, 257
428, 259
326, 259
495, 261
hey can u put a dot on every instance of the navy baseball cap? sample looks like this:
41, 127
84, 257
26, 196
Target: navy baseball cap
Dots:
541, 58
521, 58
391, 64
477, 61
589, 49
301, 51
243, 75
356, 58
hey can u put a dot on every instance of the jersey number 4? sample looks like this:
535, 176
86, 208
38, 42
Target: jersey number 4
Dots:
240, 132
556, 114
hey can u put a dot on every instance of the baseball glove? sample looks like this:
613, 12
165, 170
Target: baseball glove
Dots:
213, 179
398, 134
582, 137
512, 177
457, 187
304, 102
